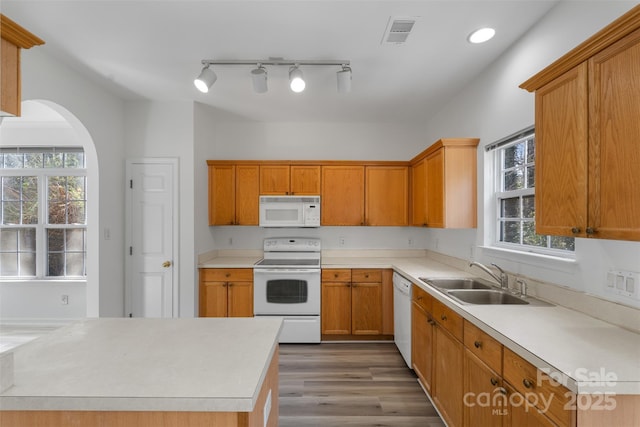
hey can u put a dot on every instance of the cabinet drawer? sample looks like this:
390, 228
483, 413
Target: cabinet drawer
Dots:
422, 298
336, 275
226, 274
483, 346
538, 387
366, 276
448, 319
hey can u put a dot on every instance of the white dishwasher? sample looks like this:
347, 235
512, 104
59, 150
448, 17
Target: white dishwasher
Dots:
402, 316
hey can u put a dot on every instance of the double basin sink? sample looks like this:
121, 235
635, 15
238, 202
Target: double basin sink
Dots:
475, 291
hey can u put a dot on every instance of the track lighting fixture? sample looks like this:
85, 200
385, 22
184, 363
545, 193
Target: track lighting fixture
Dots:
259, 77
344, 79
205, 80
208, 77
296, 79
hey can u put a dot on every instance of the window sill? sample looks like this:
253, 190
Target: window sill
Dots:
42, 282
548, 262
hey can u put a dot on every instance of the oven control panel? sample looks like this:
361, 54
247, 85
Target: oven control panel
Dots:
292, 244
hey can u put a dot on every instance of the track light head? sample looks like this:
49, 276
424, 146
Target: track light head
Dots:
259, 77
205, 80
296, 80
344, 79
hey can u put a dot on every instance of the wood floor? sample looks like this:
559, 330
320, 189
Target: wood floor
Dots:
360, 384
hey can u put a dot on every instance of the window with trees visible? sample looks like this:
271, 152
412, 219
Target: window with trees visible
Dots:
43, 217
515, 195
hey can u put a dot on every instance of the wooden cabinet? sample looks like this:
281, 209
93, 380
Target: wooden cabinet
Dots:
233, 194
422, 336
539, 389
448, 364
289, 179
226, 292
444, 181
13, 38
353, 303
342, 201
521, 414
587, 132
387, 195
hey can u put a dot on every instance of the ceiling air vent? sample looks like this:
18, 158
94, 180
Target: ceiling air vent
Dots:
398, 30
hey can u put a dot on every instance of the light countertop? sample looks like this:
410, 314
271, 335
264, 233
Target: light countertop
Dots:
582, 348
202, 364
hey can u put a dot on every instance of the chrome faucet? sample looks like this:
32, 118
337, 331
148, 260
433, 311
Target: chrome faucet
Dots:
503, 279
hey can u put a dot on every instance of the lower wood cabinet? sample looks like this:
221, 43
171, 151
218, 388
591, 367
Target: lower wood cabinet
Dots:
422, 336
447, 375
353, 303
226, 292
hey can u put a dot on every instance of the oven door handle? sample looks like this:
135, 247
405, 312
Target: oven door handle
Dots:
286, 270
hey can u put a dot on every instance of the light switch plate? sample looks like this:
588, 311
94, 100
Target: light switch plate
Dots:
624, 283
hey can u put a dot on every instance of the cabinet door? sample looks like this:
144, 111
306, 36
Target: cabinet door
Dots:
274, 179
247, 194
419, 194
422, 345
387, 195
342, 195
447, 381
222, 193
614, 140
240, 299
522, 414
485, 400
213, 299
336, 308
366, 308
561, 155
435, 189
305, 180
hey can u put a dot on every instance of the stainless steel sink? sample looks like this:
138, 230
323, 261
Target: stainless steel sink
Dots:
456, 283
485, 296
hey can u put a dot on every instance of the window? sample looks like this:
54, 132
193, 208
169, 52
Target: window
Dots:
515, 197
43, 213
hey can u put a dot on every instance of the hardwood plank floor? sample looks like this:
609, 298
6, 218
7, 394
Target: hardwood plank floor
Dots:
354, 384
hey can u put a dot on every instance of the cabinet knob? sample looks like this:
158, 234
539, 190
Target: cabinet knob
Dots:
477, 344
431, 322
227, 274
419, 298
590, 230
230, 284
224, 285
443, 317
335, 275
366, 276
575, 230
527, 383
494, 382
502, 391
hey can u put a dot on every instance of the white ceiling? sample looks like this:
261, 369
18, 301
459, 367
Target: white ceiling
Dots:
152, 49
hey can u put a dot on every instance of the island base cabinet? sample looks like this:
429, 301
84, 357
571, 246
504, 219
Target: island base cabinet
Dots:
268, 391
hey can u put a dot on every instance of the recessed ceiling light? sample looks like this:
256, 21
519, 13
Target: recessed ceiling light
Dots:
481, 35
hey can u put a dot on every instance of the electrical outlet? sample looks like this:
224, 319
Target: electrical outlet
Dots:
230, 241
410, 241
64, 299
341, 241
437, 244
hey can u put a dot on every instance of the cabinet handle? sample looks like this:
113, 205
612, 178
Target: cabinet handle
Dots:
575, 230
527, 383
590, 230
366, 276
419, 298
431, 322
477, 344
348, 285
443, 317
230, 284
494, 382
224, 285
335, 275
502, 391
227, 274
424, 225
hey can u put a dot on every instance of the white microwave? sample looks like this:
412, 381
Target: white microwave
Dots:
289, 211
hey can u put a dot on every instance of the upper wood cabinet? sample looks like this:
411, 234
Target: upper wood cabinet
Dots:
233, 194
387, 195
12, 38
587, 133
290, 179
342, 196
444, 184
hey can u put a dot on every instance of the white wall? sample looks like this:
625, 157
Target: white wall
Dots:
165, 129
493, 106
101, 113
220, 136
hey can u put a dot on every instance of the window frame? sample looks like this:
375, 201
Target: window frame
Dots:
496, 151
42, 175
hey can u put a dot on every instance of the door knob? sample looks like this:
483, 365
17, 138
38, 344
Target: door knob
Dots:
166, 264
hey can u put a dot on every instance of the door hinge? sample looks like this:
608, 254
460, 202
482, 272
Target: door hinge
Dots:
130, 183
130, 250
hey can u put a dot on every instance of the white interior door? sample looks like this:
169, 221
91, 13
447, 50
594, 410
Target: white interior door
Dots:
151, 238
